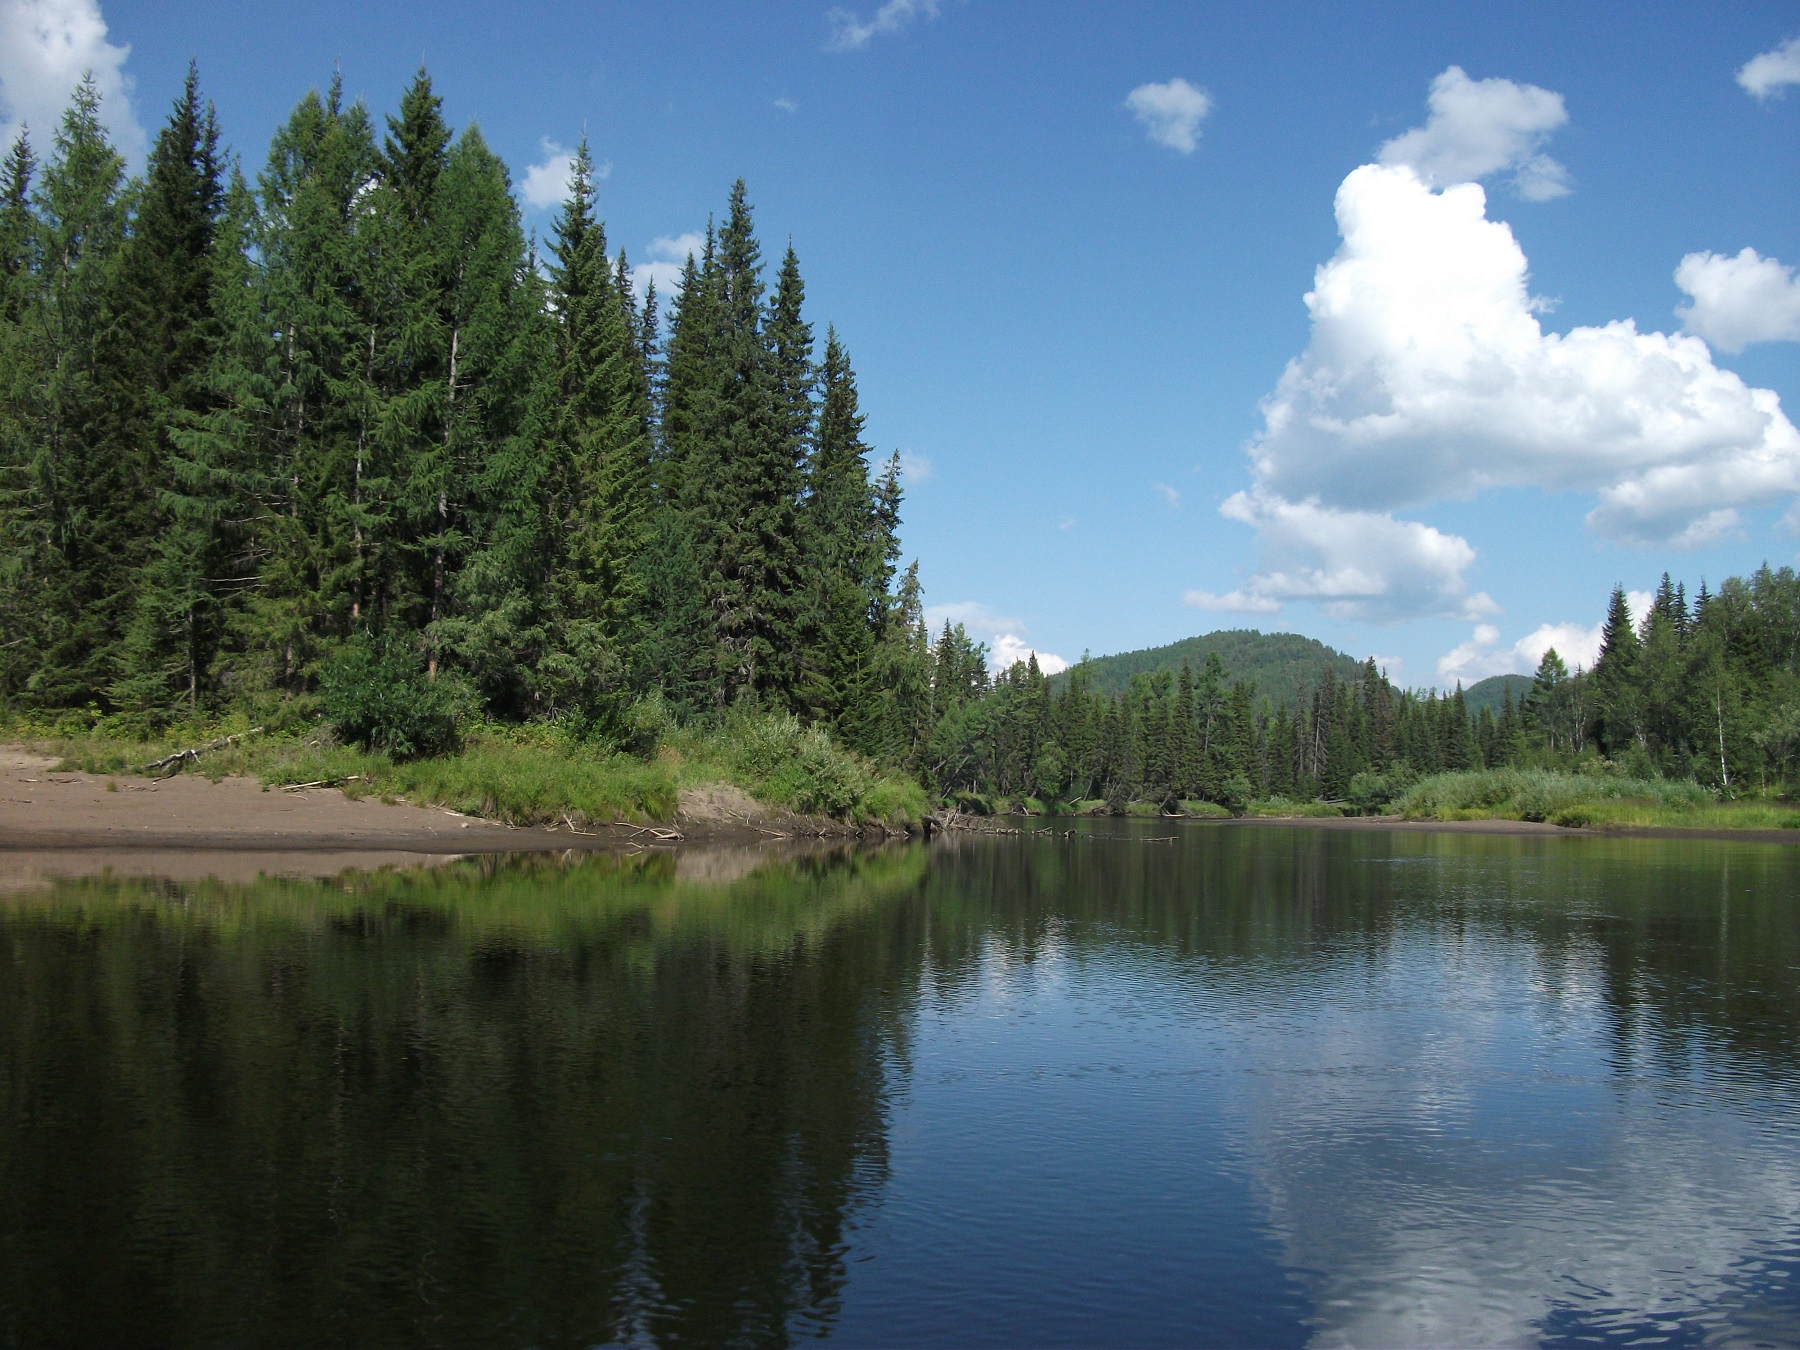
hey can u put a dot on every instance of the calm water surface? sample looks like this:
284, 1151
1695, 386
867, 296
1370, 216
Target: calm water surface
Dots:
1259, 1085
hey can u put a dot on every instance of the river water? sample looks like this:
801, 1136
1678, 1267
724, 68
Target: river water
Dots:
1252, 1085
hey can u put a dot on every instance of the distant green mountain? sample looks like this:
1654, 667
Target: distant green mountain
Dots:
1489, 692
1285, 666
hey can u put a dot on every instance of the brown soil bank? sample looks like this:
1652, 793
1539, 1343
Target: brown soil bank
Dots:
42, 808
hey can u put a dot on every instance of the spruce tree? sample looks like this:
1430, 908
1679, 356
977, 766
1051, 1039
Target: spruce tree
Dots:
207, 554
159, 351
745, 507
603, 506
89, 493
483, 476
315, 196
1617, 703
408, 477
26, 556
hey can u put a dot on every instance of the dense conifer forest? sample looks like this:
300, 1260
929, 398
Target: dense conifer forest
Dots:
339, 427
331, 440
1708, 691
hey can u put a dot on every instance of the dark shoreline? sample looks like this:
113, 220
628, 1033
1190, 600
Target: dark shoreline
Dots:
1491, 825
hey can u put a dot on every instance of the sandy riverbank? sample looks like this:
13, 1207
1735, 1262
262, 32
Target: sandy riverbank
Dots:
45, 811
42, 808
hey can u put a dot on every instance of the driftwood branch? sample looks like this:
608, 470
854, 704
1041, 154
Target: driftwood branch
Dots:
174, 762
324, 782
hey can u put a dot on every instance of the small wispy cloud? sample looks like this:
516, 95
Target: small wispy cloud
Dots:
851, 32
46, 47
1772, 71
546, 183
1006, 638
668, 256
787, 105
1482, 655
1171, 113
1066, 523
914, 467
1482, 127
1169, 495
1739, 300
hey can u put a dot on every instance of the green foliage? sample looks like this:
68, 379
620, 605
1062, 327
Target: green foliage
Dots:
1538, 794
1370, 791
1283, 807
378, 695
781, 761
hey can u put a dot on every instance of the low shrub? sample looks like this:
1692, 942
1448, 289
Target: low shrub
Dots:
377, 695
1204, 810
1282, 806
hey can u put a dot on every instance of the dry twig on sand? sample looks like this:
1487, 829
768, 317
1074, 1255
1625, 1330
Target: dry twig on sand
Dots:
174, 762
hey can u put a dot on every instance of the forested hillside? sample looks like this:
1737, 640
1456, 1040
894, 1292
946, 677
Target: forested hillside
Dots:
1493, 692
1284, 666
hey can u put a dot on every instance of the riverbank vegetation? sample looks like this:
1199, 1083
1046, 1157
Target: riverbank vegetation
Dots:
1690, 716
536, 773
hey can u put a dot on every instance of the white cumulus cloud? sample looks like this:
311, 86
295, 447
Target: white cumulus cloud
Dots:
852, 32
1356, 564
668, 258
1429, 376
1739, 300
915, 468
1171, 113
1772, 71
1482, 127
46, 46
546, 183
1006, 638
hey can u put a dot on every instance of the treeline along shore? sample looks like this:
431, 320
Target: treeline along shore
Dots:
329, 455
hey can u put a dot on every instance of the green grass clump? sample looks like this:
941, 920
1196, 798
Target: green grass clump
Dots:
1282, 806
1204, 810
529, 785
1543, 794
784, 763
1718, 815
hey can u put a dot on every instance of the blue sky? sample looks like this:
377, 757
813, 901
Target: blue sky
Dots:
1071, 306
